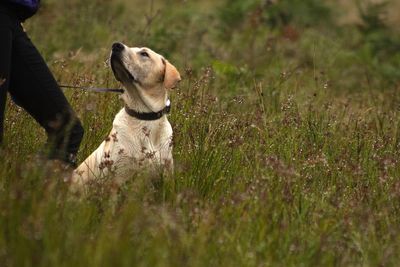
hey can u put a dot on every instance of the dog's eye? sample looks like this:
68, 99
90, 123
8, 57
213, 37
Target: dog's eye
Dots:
144, 54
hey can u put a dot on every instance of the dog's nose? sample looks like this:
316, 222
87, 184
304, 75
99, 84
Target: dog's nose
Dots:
117, 47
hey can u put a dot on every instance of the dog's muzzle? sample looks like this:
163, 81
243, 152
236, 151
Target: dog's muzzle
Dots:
117, 65
117, 47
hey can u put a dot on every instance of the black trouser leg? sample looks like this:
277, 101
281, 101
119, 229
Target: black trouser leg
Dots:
5, 63
34, 88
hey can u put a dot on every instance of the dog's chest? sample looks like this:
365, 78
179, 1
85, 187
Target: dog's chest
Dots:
141, 141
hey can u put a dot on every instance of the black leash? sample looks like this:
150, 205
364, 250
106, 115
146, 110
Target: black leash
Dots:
94, 89
147, 116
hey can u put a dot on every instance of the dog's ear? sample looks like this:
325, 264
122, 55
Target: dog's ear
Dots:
171, 75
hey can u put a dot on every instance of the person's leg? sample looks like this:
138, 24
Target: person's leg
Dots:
35, 89
5, 65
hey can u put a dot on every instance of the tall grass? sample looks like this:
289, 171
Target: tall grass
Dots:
286, 143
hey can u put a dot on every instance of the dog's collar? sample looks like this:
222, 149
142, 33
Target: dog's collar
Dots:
149, 116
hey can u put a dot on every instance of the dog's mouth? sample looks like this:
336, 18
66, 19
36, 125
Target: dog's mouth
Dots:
120, 72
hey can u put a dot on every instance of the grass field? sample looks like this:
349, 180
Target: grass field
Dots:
286, 139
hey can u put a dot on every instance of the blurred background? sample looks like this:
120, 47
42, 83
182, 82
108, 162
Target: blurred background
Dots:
348, 40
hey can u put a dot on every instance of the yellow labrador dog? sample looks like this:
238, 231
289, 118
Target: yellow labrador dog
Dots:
141, 135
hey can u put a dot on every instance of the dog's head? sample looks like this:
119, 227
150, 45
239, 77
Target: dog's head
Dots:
142, 67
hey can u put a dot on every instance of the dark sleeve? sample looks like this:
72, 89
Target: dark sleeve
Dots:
20, 9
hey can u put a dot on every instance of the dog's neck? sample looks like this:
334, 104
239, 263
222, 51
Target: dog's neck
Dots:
145, 100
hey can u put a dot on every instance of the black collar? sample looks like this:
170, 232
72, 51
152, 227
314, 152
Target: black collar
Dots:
149, 116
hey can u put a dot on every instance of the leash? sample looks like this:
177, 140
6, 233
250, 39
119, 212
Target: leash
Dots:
146, 116
93, 89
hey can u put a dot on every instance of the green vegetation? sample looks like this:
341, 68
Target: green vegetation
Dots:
286, 145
